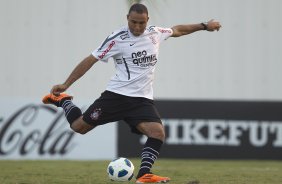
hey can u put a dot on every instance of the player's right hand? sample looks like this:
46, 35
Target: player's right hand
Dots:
58, 89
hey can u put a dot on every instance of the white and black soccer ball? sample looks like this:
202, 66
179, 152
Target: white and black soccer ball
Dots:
120, 169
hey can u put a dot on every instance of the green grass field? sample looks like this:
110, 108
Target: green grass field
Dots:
181, 172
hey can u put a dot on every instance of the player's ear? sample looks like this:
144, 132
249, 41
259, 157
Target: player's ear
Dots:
127, 16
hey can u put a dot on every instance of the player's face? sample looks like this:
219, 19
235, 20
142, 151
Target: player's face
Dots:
137, 22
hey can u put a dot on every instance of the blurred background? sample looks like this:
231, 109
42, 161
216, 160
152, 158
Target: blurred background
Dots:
41, 41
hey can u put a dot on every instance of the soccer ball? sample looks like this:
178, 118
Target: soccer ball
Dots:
120, 169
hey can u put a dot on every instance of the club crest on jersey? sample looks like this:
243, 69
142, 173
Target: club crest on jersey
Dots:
153, 39
95, 114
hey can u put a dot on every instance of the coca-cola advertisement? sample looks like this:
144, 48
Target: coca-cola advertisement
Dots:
31, 130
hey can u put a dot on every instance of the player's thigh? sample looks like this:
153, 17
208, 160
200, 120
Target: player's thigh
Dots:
152, 129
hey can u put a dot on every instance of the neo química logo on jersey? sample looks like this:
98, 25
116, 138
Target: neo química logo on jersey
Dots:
141, 59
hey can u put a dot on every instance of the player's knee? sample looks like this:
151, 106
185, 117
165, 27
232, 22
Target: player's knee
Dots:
154, 130
158, 134
80, 127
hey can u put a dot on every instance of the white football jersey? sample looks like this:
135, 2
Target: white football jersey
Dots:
135, 59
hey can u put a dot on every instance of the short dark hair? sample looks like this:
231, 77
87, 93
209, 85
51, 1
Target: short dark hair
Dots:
139, 8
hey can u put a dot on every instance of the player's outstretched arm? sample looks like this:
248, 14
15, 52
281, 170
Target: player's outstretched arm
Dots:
181, 30
78, 72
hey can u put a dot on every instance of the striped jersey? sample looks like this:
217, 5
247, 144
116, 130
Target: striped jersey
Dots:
135, 59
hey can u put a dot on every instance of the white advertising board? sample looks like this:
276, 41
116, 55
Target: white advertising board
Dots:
31, 130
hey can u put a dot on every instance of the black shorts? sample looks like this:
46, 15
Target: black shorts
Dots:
111, 107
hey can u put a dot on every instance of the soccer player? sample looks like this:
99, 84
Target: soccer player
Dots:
129, 94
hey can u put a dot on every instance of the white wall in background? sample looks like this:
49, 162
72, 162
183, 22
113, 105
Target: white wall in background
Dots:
42, 41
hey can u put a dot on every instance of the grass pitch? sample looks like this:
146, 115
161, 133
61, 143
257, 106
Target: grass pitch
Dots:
181, 172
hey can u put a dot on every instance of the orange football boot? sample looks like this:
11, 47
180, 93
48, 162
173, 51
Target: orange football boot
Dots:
152, 178
55, 100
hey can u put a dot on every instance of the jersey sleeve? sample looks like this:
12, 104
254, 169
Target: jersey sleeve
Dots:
106, 50
163, 33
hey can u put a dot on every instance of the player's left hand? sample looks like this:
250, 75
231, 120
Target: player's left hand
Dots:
213, 25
